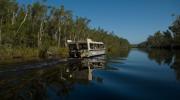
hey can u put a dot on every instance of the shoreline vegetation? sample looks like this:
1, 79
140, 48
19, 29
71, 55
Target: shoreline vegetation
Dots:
13, 55
38, 30
169, 39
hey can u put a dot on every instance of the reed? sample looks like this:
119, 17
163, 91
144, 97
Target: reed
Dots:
31, 53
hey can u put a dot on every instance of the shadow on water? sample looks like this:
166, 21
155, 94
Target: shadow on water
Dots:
122, 54
38, 84
118, 57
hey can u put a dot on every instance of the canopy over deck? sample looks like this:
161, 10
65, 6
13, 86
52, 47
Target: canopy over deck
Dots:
88, 41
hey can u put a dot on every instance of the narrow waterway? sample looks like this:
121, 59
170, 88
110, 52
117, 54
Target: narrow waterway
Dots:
135, 74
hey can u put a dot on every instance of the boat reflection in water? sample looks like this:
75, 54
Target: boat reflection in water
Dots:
82, 69
50, 82
135, 74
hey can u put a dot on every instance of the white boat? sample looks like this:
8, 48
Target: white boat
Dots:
86, 48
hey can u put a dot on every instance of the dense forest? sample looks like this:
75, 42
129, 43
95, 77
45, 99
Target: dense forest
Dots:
27, 29
169, 39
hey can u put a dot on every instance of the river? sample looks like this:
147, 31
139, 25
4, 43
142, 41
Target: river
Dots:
134, 74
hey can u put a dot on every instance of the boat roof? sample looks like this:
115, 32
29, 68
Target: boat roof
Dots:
88, 41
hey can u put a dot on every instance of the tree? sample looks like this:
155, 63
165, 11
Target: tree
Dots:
38, 25
175, 28
167, 39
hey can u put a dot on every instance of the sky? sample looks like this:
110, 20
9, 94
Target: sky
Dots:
134, 20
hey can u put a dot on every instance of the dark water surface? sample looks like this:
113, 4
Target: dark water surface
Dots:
135, 74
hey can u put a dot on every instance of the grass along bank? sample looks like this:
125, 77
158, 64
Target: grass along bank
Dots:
31, 53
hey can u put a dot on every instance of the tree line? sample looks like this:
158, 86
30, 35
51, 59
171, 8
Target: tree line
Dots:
169, 39
38, 25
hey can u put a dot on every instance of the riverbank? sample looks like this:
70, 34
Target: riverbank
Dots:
30, 65
8, 55
18, 59
13, 59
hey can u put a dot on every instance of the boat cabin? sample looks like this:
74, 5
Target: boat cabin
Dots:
86, 48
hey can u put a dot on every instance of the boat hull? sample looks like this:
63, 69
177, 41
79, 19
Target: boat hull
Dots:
95, 53
84, 54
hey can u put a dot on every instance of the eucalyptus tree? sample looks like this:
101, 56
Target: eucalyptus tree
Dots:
70, 28
61, 21
167, 39
36, 25
67, 25
57, 15
8, 8
38, 18
175, 28
81, 25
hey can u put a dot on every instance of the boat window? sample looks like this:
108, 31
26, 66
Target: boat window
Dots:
83, 46
92, 46
72, 47
96, 46
101, 46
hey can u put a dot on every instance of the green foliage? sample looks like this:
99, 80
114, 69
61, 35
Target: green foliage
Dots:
55, 51
175, 28
43, 52
42, 27
13, 53
168, 39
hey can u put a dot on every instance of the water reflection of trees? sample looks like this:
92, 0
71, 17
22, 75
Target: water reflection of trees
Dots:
123, 53
59, 79
170, 57
176, 65
160, 56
